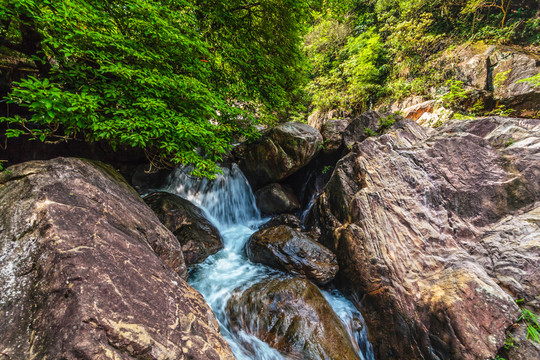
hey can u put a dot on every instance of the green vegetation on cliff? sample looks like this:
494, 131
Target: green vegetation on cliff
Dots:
183, 79
364, 51
177, 78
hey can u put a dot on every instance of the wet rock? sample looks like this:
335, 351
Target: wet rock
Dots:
198, 237
89, 272
283, 219
285, 248
356, 131
433, 229
292, 316
278, 153
332, 133
276, 199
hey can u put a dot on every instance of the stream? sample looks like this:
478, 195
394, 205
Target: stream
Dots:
229, 204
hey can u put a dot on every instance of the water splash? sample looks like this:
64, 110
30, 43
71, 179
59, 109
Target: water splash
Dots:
230, 205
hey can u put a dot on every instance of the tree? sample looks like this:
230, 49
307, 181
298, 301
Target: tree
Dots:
473, 6
167, 76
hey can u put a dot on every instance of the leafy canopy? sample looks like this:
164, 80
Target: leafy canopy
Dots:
179, 79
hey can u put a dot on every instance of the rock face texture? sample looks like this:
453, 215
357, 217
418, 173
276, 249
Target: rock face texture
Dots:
498, 70
332, 133
438, 233
279, 152
276, 199
311, 330
88, 271
356, 131
198, 237
285, 248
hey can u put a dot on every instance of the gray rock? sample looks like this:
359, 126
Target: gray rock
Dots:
283, 219
198, 237
498, 70
332, 133
276, 199
280, 152
285, 248
356, 130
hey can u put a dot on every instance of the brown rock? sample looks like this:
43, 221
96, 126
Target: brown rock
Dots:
276, 199
427, 231
292, 316
415, 112
89, 272
284, 248
279, 152
198, 237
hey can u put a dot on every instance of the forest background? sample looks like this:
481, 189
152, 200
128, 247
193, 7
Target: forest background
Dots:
183, 80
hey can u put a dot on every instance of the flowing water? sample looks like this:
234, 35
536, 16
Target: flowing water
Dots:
229, 204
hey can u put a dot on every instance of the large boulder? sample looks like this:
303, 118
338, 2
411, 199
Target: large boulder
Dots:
292, 316
276, 199
198, 237
436, 232
285, 248
89, 272
278, 153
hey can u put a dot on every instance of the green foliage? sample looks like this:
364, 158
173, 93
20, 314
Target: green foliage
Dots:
386, 122
510, 342
478, 108
532, 322
348, 73
473, 6
500, 110
533, 80
456, 93
326, 169
508, 142
177, 78
500, 78
369, 132
401, 41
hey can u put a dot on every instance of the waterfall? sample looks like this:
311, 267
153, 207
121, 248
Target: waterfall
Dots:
229, 204
228, 199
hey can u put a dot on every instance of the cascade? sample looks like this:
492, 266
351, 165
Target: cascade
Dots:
229, 204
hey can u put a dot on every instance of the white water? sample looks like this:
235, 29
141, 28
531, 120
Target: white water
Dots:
229, 203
